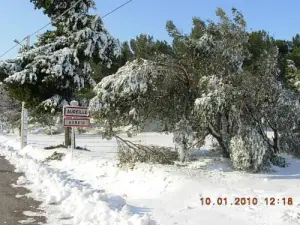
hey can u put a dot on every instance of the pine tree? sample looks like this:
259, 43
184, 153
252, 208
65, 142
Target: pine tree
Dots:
48, 75
9, 109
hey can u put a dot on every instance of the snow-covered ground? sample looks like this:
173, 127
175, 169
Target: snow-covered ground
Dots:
89, 188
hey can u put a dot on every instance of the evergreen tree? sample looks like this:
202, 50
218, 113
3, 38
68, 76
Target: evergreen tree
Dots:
9, 109
145, 47
48, 75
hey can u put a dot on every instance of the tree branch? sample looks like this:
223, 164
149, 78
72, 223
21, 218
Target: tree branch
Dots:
213, 131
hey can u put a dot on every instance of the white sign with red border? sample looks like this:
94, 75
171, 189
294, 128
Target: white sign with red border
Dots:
76, 122
76, 111
76, 116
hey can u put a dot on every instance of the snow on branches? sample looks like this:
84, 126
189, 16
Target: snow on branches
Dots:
122, 97
131, 79
60, 62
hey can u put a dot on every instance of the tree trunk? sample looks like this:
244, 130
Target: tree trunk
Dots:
182, 150
224, 147
165, 128
220, 139
67, 136
276, 142
51, 133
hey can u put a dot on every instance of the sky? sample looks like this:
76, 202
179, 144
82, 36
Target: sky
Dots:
280, 18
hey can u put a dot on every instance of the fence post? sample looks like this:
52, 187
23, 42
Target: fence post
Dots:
24, 124
1, 127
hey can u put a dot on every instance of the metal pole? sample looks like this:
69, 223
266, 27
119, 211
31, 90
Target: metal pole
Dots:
28, 42
72, 142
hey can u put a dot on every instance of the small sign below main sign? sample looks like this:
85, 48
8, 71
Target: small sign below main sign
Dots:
76, 122
76, 111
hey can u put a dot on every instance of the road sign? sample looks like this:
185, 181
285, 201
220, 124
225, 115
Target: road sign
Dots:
76, 122
76, 111
75, 116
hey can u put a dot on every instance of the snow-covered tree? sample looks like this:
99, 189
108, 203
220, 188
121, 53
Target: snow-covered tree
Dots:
47, 75
59, 63
9, 109
210, 84
240, 95
292, 75
169, 88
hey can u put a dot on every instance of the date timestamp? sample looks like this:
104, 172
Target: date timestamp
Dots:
247, 201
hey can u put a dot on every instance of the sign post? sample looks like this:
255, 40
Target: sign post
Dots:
75, 116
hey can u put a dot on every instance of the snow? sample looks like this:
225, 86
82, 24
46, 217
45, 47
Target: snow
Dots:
28, 221
90, 189
71, 199
125, 81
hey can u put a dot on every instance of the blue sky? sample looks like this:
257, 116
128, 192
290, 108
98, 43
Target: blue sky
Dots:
18, 17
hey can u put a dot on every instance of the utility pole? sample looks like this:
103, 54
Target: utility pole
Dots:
24, 113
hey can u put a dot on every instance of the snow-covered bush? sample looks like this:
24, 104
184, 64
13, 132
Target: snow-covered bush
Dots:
287, 115
130, 153
183, 137
249, 151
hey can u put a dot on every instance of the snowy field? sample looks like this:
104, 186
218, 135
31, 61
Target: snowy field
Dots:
89, 188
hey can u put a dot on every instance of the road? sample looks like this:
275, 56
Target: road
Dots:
11, 207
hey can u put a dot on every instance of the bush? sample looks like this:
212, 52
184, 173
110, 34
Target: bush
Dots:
81, 130
290, 143
54, 132
82, 149
248, 151
55, 146
63, 146
55, 156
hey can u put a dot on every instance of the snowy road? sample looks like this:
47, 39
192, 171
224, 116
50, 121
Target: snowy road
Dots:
11, 207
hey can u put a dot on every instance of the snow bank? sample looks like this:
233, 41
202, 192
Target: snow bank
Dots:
76, 202
73, 189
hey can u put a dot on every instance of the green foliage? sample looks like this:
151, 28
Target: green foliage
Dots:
55, 147
295, 56
64, 146
296, 41
10, 109
145, 47
44, 119
55, 156
258, 42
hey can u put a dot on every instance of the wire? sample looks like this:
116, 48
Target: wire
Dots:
116, 9
8, 50
76, 3
58, 18
73, 6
